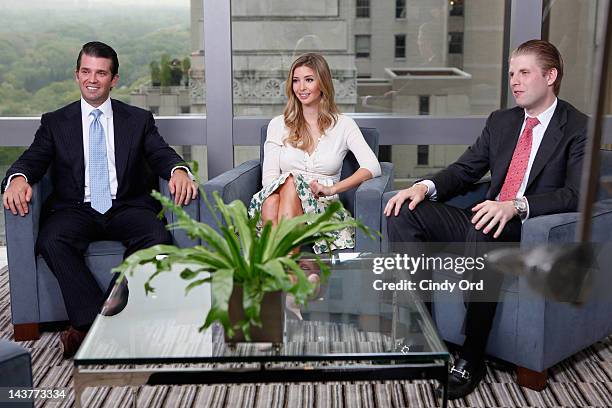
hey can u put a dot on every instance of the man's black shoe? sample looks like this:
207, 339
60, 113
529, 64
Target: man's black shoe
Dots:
464, 376
117, 300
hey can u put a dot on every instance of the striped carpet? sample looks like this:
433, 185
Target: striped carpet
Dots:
583, 380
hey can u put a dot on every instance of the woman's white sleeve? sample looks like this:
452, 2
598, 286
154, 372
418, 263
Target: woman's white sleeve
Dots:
272, 149
364, 155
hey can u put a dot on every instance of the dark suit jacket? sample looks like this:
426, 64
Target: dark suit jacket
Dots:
554, 180
140, 156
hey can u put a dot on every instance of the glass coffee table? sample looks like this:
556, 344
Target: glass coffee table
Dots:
349, 332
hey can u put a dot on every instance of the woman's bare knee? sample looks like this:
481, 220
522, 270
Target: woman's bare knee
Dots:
288, 189
269, 208
289, 184
271, 201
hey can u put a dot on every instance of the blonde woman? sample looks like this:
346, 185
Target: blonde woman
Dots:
304, 151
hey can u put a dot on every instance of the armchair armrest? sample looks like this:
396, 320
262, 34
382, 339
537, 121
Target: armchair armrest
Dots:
193, 209
21, 234
542, 321
240, 183
537, 230
562, 227
368, 209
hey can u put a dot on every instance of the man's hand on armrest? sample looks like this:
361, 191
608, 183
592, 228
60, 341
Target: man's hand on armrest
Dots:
17, 196
182, 187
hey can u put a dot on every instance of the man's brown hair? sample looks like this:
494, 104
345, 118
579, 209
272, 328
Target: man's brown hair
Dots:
547, 55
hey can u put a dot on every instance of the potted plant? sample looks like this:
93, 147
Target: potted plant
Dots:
244, 268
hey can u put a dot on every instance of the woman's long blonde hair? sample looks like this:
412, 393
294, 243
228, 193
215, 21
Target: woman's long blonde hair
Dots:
328, 111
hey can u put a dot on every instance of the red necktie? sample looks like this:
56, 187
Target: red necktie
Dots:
518, 165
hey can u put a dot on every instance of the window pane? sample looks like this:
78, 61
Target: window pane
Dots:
424, 105
362, 46
573, 27
422, 155
400, 46
414, 162
195, 153
576, 29
400, 8
430, 79
245, 153
363, 9
268, 36
160, 60
455, 7
455, 43
161, 63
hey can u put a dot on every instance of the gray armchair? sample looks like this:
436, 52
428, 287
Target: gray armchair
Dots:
35, 294
529, 330
363, 202
15, 371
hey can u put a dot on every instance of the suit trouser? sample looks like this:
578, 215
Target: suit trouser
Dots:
65, 235
432, 221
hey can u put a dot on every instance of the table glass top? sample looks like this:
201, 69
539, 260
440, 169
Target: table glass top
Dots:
348, 320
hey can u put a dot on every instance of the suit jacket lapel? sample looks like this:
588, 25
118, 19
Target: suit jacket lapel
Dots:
508, 142
551, 139
73, 141
123, 139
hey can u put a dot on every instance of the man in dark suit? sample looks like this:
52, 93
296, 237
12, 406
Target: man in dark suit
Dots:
105, 157
534, 153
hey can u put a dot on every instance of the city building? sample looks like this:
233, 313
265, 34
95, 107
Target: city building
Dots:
423, 57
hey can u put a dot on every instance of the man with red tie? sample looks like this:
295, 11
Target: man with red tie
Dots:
534, 153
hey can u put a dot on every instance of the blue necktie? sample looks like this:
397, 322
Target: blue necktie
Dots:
99, 185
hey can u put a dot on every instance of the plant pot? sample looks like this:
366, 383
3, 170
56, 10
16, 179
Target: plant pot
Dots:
272, 318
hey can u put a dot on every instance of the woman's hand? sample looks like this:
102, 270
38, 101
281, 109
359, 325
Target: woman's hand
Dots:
319, 190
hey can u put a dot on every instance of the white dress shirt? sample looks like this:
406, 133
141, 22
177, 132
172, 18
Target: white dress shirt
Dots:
538, 136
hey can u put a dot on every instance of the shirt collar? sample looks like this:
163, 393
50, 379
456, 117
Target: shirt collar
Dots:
106, 108
545, 116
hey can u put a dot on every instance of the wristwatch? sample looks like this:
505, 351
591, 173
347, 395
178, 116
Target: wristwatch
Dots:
520, 204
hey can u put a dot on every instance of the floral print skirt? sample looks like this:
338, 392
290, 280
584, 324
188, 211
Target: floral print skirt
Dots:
344, 238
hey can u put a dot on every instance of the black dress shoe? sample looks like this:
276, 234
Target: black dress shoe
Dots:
464, 376
117, 300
